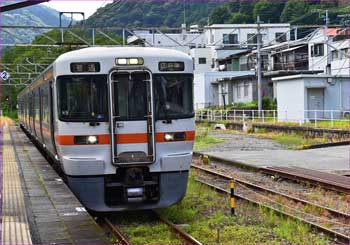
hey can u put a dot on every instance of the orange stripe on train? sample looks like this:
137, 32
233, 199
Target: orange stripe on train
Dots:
139, 138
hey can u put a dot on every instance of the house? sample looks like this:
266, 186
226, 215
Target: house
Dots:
227, 54
334, 57
207, 91
306, 97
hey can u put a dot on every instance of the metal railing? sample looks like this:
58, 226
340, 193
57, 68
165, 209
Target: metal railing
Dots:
316, 118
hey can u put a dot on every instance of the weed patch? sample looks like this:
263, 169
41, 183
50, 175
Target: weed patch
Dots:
207, 215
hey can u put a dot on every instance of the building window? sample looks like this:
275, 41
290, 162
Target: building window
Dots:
230, 39
317, 50
252, 39
280, 37
202, 60
335, 54
344, 54
246, 89
238, 91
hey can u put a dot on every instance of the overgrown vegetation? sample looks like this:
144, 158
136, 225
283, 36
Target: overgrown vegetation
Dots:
141, 228
204, 140
207, 218
291, 141
267, 104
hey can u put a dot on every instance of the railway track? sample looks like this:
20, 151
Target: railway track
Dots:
123, 239
333, 222
328, 181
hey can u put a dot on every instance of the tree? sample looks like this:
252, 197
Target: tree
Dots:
239, 18
220, 15
246, 7
268, 11
293, 10
233, 6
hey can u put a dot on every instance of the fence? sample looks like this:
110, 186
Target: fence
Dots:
325, 118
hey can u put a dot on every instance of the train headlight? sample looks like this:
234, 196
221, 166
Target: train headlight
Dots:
169, 137
121, 61
86, 140
178, 136
92, 139
129, 61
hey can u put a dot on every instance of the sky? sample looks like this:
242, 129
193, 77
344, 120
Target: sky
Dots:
88, 7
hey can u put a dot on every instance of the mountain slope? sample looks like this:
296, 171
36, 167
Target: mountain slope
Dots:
37, 15
155, 13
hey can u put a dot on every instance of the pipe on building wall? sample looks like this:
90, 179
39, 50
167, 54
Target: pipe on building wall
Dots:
341, 95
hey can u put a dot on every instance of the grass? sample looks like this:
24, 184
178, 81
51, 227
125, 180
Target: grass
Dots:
324, 124
204, 140
141, 229
293, 141
208, 219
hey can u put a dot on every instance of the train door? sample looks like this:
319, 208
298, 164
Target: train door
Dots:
131, 116
52, 118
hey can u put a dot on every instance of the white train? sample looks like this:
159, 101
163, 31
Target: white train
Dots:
119, 123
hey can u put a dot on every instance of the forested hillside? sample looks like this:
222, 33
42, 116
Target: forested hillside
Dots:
155, 13
159, 13
291, 11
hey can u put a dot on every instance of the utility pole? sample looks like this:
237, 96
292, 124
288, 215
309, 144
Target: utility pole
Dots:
259, 64
328, 66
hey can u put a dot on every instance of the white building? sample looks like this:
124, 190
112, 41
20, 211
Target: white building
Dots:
183, 41
335, 56
245, 35
208, 90
306, 97
210, 50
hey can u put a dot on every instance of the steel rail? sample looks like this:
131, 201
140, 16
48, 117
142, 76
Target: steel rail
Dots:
116, 231
327, 184
254, 186
341, 237
187, 237
334, 186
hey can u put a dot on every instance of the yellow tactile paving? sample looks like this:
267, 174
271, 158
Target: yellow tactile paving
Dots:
14, 221
6, 121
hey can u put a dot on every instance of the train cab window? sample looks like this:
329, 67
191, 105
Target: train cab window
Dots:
82, 98
173, 96
130, 91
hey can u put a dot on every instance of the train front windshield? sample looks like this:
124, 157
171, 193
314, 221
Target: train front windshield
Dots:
84, 98
173, 96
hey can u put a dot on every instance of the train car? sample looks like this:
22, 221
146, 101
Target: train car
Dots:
119, 122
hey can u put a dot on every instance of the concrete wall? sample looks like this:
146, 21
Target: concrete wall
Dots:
290, 100
292, 97
197, 53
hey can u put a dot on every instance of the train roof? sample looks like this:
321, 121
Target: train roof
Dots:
113, 52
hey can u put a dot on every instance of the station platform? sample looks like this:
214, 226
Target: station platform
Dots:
36, 206
332, 159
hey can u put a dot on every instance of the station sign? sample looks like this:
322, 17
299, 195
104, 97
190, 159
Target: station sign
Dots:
4, 75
